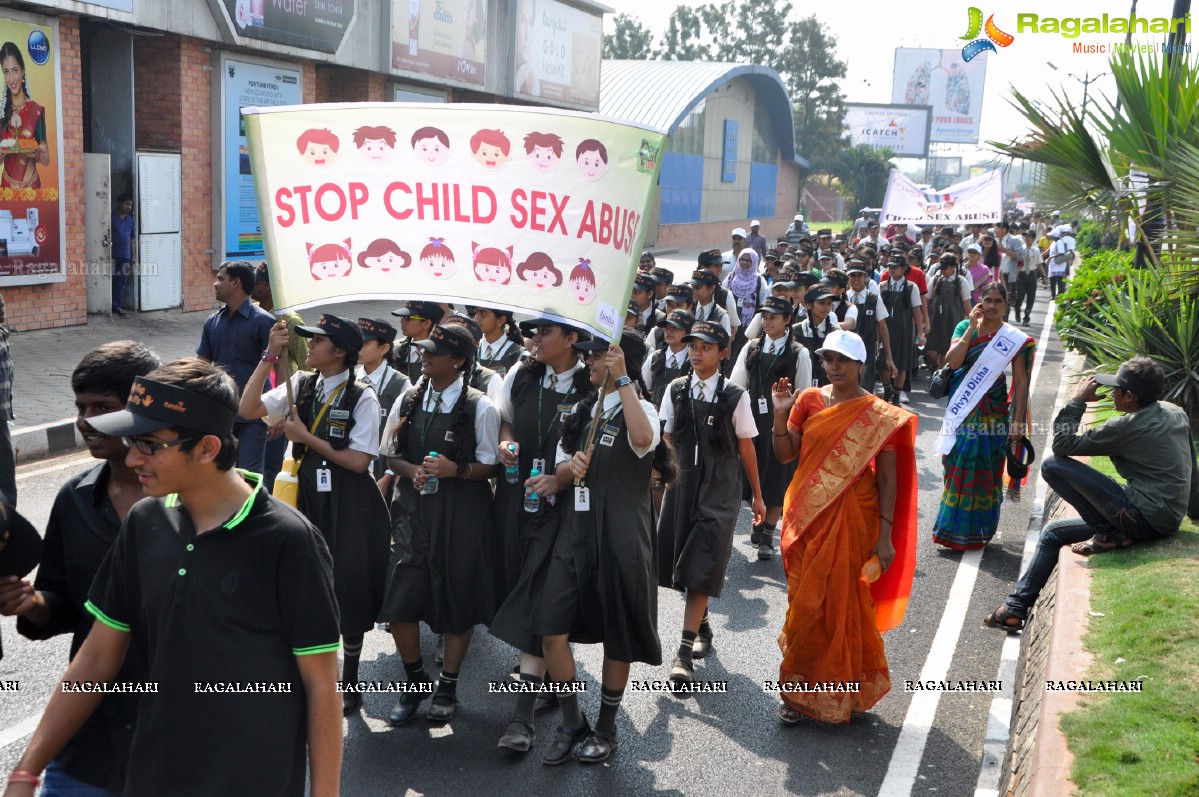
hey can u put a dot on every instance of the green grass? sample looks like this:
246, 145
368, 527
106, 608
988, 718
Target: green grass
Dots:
1147, 743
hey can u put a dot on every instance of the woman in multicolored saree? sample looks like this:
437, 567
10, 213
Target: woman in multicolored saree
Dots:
977, 428
849, 513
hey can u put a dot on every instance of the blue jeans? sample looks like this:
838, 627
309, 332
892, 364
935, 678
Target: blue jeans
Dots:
56, 783
120, 275
251, 444
1102, 507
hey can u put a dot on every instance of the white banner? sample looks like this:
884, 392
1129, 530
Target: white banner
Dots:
903, 129
979, 200
953, 88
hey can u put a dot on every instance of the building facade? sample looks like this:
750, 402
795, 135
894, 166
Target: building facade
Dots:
143, 96
731, 157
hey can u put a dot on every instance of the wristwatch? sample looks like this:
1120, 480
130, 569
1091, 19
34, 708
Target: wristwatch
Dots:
621, 381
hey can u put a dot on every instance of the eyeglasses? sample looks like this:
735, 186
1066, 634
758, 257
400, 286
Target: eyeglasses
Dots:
828, 358
150, 448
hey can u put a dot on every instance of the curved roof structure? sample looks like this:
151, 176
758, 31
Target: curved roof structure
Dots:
662, 93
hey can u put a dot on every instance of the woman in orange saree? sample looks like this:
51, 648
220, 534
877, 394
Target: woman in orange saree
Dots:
849, 512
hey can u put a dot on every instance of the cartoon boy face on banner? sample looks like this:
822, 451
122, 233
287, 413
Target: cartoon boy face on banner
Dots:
431, 204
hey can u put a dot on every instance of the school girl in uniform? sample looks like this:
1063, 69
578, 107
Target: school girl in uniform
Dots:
710, 423
334, 430
502, 344
669, 359
812, 331
773, 355
601, 585
538, 393
445, 430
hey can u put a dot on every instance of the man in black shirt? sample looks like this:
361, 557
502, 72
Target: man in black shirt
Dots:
84, 521
228, 595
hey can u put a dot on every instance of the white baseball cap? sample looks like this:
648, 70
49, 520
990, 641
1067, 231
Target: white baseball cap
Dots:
974, 248
845, 343
755, 223
798, 217
1056, 213
739, 231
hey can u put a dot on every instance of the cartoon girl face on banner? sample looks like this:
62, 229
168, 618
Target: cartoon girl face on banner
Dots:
539, 271
431, 145
592, 158
330, 261
437, 260
492, 265
582, 282
385, 256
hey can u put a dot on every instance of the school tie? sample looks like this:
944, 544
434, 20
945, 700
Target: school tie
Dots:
769, 347
434, 397
554, 382
320, 391
699, 391
487, 352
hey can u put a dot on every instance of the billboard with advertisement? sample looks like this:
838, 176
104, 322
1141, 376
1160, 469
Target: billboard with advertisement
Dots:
440, 38
952, 87
903, 129
31, 178
312, 24
557, 53
243, 84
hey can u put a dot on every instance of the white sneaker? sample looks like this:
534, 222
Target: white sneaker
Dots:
904, 398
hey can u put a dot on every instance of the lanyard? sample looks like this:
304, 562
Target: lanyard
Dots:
544, 434
320, 415
424, 432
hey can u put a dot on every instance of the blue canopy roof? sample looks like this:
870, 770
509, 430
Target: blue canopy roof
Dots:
662, 93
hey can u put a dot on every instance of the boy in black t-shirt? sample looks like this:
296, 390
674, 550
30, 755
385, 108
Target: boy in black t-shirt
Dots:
226, 592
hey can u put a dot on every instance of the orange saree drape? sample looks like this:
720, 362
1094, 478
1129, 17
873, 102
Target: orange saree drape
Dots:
835, 616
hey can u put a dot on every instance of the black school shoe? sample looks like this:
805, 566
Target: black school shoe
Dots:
350, 703
519, 736
560, 749
755, 535
405, 708
598, 748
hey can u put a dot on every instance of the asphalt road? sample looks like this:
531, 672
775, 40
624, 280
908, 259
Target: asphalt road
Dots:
715, 744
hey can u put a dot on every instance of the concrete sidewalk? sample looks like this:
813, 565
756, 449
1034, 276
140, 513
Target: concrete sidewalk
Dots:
44, 359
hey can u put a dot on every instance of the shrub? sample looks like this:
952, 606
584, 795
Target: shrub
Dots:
1141, 314
1076, 307
1089, 237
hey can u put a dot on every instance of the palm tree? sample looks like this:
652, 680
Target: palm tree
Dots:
1151, 127
862, 172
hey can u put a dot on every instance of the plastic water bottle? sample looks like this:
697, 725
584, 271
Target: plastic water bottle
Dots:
532, 501
432, 482
512, 472
287, 486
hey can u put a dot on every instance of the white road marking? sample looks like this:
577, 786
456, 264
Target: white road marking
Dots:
999, 719
14, 733
913, 737
71, 463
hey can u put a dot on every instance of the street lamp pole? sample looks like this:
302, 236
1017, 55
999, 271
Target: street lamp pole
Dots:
1086, 84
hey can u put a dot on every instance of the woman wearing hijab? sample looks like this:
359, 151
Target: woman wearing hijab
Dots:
749, 289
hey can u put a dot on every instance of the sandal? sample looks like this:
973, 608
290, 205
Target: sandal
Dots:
1001, 618
788, 715
1102, 543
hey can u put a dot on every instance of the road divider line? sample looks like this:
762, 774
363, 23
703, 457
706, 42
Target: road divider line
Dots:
913, 737
999, 719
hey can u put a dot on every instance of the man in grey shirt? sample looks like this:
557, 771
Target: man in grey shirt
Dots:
1151, 447
1012, 248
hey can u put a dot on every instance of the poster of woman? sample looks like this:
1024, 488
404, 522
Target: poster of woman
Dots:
30, 153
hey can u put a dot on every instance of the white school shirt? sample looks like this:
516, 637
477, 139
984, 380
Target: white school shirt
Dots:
562, 384
487, 420
703, 310
803, 363
673, 360
743, 416
364, 437
612, 400
493, 351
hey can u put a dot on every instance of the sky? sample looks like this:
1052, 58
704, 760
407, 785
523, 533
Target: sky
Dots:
866, 41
